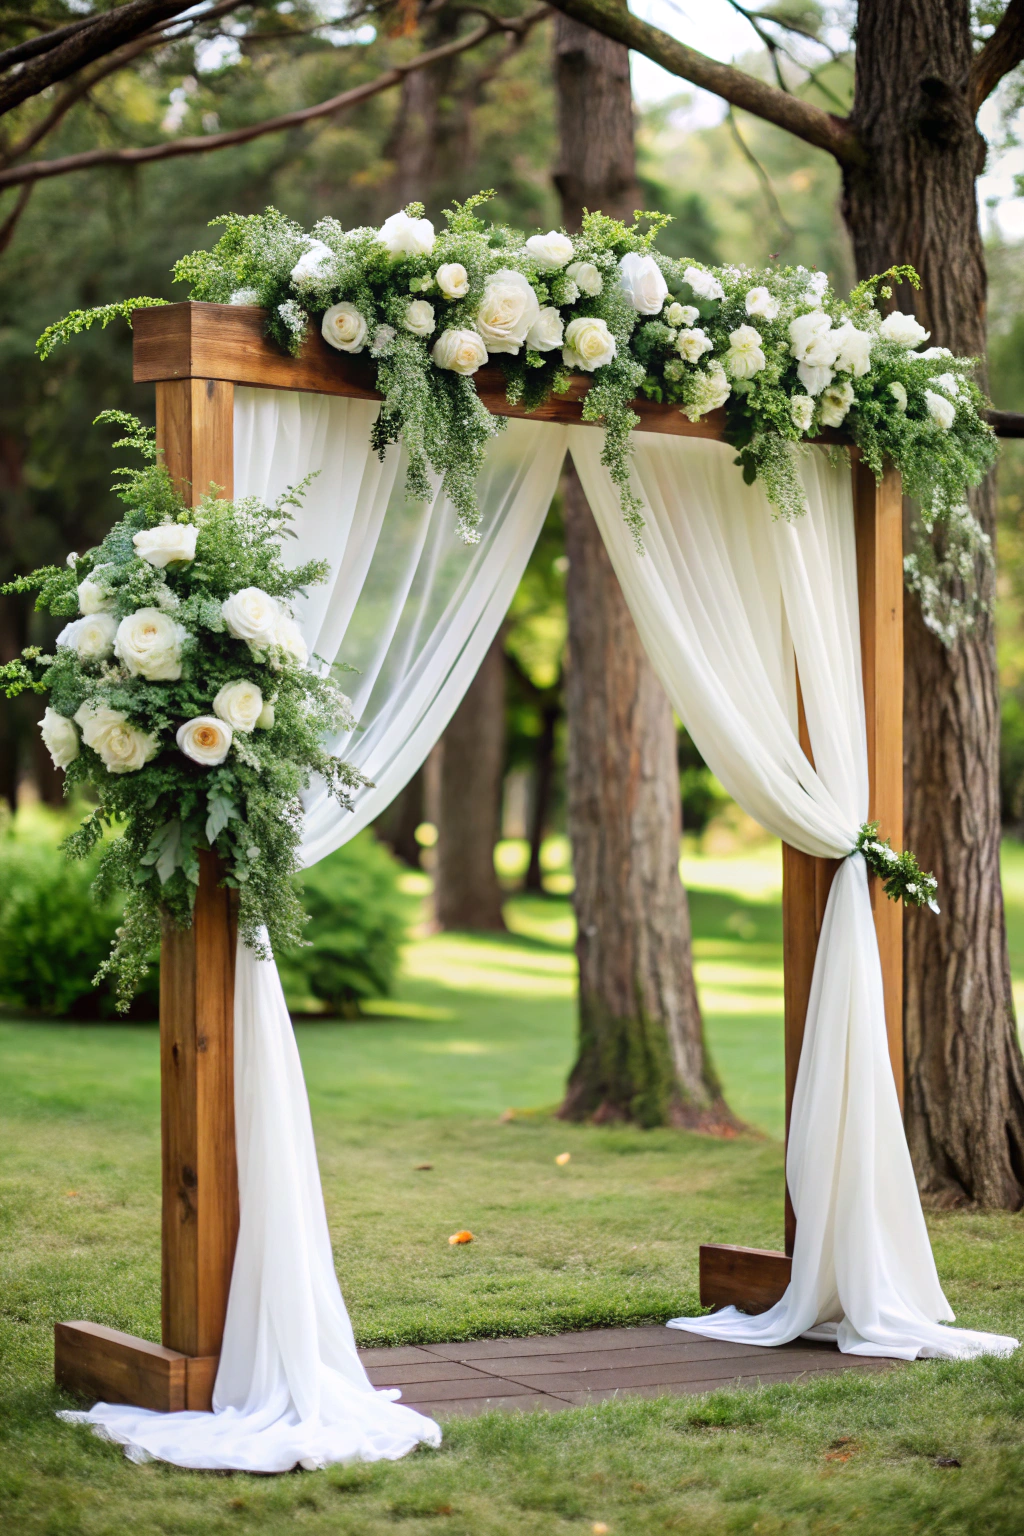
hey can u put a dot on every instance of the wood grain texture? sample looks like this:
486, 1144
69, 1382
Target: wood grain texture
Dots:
108, 1366
751, 1278
195, 432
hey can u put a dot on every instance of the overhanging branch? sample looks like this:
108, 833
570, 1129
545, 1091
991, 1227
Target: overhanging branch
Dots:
1003, 52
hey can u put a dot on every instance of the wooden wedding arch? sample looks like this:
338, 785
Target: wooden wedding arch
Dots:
195, 354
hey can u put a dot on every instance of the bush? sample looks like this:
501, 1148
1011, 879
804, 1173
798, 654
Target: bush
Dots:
357, 924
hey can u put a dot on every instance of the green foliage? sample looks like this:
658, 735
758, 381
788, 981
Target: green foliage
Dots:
901, 875
80, 320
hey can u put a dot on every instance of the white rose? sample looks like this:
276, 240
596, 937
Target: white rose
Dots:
935, 352
835, 403
453, 280
206, 740
508, 310
801, 410
814, 377
251, 615
266, 718
941, 410
149, 643
288, 638
682, 314
314, 263
459, 351
704, 284
904, 329
899, 394
643, 283
403, 236
714, 391
816, 285
691, 345
166, 542
812, 343
550, 251
947, 382
344, 327
761, 302
744, 357
92, 636
122, 748
589, 344
853, 349
239, 705
419, 317
93, 597
546, 332
59, 737
586, 277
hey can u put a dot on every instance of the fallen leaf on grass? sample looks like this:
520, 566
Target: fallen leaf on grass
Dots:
460, 1237
424, 1167
506, 1116
599, 1528
563, 1158
946, 1461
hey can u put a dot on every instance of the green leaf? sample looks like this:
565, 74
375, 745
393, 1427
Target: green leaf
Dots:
221, 810
164, 850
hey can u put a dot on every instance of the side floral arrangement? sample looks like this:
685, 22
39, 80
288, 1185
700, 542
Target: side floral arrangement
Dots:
182, 695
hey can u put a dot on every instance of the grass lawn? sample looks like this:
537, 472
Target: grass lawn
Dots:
481, 1027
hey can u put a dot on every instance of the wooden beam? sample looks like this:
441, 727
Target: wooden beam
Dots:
96, 1362
195, 432
753, 1279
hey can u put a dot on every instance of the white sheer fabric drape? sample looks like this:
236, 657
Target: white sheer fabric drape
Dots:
722, 598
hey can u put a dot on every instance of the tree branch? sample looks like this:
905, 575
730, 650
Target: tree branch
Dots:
39, 170
822, 129
74, 94
1003, 52
10, 224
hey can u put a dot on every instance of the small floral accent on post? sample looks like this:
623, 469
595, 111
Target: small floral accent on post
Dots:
901, 875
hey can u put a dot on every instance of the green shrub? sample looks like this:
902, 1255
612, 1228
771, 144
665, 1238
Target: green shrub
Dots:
357, 924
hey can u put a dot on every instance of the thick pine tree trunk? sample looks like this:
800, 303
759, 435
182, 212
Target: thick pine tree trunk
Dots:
466, 889
641, 1050
913, 201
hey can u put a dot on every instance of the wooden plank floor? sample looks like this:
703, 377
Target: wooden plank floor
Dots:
568, 1369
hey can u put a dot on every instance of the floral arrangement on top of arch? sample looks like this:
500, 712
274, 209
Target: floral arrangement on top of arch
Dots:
777, 348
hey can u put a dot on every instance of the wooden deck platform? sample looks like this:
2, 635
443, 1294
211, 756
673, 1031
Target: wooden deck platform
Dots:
569, 1369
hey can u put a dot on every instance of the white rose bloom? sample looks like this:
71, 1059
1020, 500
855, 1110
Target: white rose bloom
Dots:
761, 302
801, 410
508, 311
835, 403
814, 377
947, 382
904, 329
122, 748
453, 280
853, 349
459, 351
586, 277
704, 284
266, 718
206, 740
149, 643
239, 705
941, 410
744, 357
691, 345
643, 283
546, 332
166, 542
550, 251
717, 388
93, 598
288, 638
899, 394
419, 317
92, 636
344, 327
930, 352
589, 344
812, 342
59, 737
680, 314
314, 263
404, 236
816, 285
251, 615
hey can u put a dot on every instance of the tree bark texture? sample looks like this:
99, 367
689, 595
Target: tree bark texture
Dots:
466, 889
540, 800
912, 199
431, 135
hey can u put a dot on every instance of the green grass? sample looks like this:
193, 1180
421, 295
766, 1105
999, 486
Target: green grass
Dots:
485, 1026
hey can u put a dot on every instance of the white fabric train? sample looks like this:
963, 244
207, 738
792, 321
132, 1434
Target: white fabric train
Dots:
723, 598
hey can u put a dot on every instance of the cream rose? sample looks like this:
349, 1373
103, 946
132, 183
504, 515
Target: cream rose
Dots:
92, 636
251, 615
344, 327
586, 277
459, 351
589, 344
166, 542
691, 345
239, 705
899, 394
904, 329
550, 251
813, 343
59, 737
547, 331
682, 314
405, 236
419, 317
149, 643
453, 280
853, 349
835, 403
315, 263
508, 310
643, 283
801, 411
744, 357
206, 740
941, 409
288, 638
121, 747
704, 284
266, 718
762, 303
93, 597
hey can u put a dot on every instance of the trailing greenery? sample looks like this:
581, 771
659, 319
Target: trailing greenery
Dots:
80, 320
181, 695
902, 877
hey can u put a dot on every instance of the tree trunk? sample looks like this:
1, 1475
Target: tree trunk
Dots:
913, 200
543, 774
430, 134
396, 827
466, 889
641, 1050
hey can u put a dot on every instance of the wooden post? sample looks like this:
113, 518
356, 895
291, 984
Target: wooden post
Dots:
197, 1097
751, 1278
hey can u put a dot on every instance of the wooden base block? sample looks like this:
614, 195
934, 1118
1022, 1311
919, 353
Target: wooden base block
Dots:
753, 1279
111, 1367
